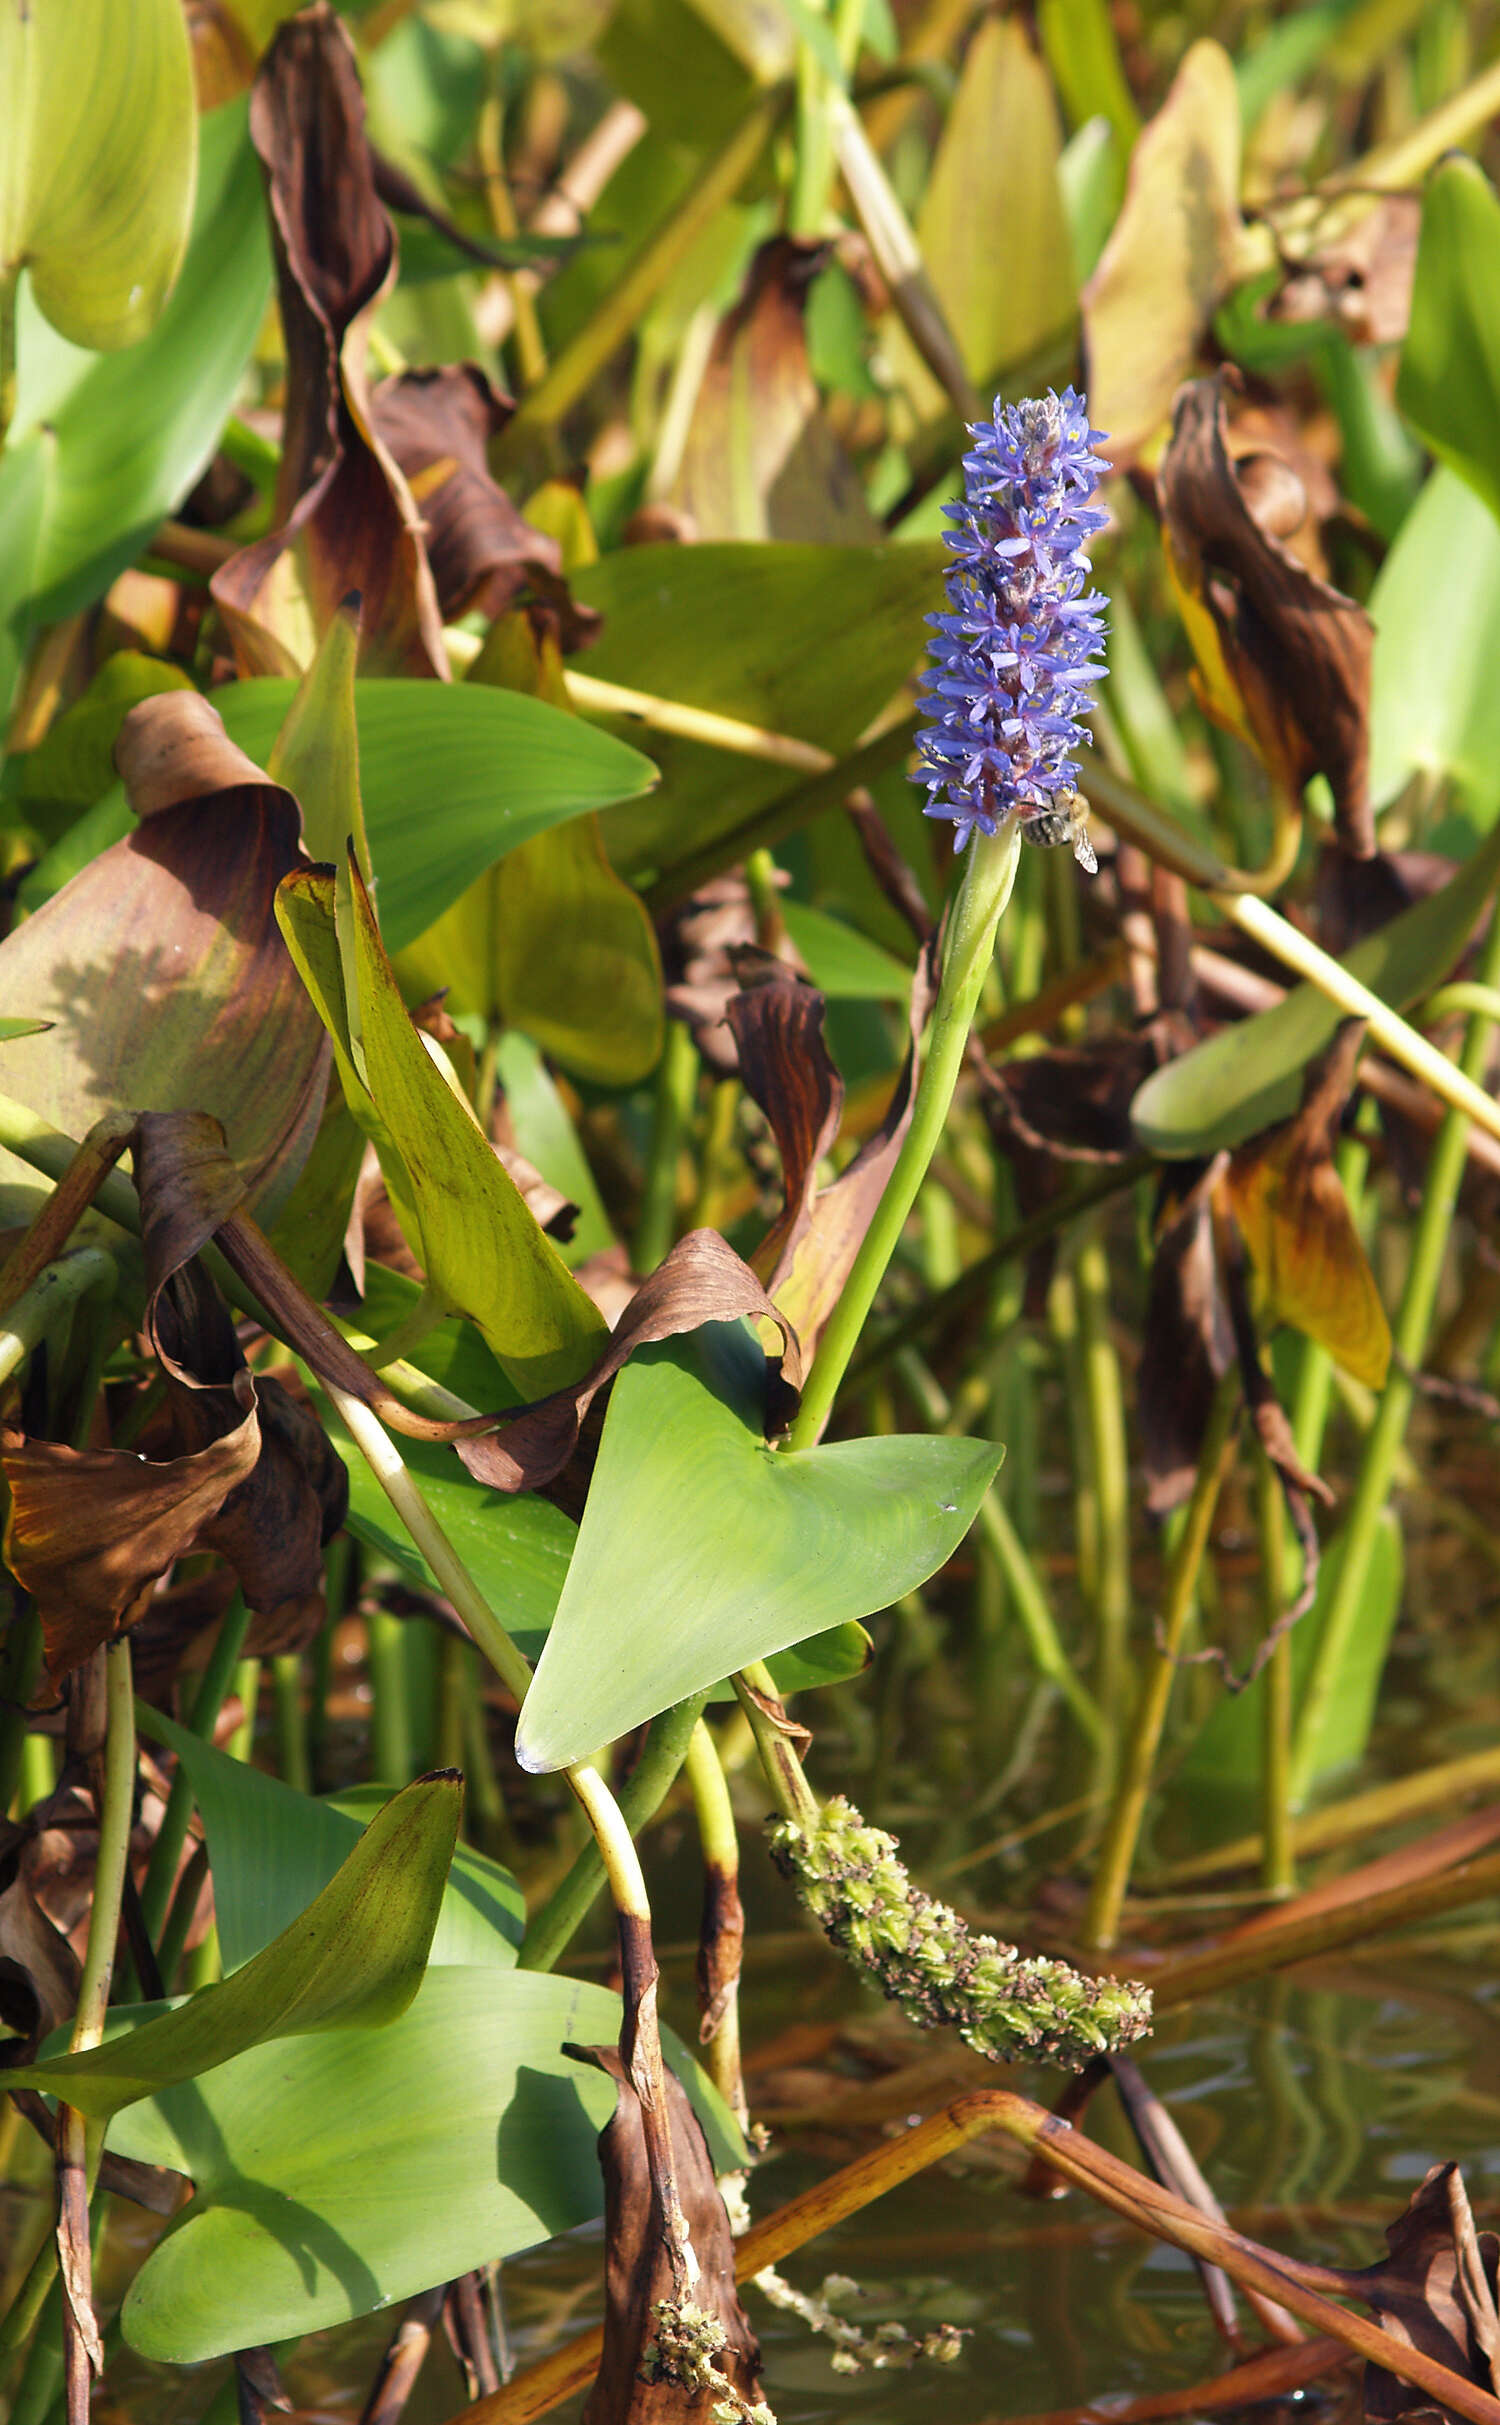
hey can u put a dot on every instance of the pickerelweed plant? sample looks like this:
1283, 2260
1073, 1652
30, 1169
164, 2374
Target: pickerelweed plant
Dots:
1013, 664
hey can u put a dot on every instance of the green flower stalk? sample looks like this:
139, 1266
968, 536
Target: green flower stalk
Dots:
923, 1955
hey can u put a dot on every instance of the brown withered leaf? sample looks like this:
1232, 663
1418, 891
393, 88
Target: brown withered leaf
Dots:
713, 947
91, 1533
760, 460
39, 1971
777, 1026
1074, 1103
1436, 2292
811, 1247
631, 2387
436, 425
162, 965
1289, 1204
1187, 1344
1357, 269
345, 519
701, 1280
1297, 650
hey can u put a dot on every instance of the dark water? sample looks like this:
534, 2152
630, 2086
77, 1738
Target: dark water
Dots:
1314, 2102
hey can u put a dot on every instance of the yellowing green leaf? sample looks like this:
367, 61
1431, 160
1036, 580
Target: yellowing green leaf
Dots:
481, 1248
1170, 257
98, 158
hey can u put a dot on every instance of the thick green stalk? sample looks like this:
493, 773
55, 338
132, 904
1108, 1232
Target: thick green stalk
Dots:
1123, 1828
1429, 1246
723, 1920
550, 1930
968, 947
1105, 1404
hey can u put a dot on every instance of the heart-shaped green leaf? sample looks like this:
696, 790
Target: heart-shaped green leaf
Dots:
701, 1549
98, 149
273, 1849
346, 2171
1249, 1075
353, 1958
1449, 382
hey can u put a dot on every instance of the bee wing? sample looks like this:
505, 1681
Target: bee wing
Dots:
1083, 852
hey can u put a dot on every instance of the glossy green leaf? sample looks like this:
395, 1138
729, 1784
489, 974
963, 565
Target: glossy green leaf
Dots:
1249, 1075
350, 2170
273, 1849
353, 1959
98, 150
844, 964
1224, 1762
498, 765
134, 430
517, 1550
1449, 382
1434, 701
701, 1549
477, 1240
810, 641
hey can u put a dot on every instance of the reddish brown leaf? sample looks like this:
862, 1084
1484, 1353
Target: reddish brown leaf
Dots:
437, 425
777, 1026
344, 514
1187, 1345
1297, 650
633, 2386
91, 1533
162, 963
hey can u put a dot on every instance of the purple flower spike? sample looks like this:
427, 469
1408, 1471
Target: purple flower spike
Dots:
1016, 655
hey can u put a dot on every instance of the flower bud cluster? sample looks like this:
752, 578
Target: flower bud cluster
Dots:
1014, 662
1010, 2006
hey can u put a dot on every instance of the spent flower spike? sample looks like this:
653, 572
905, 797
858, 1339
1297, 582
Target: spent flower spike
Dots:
1015, 659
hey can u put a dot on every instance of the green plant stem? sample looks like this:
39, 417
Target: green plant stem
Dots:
79, 2141
676, 1092
1429, 1246
390, 1732
291, 1721
1123, 1827
453, 1577
1278, 1869
1109, 1460
808, 203
424, 1317
241, 1744
20, 1672
1028, 1595
207, 1703
968, 947
50, 1298
790, 1790
723, 1920
550, 1929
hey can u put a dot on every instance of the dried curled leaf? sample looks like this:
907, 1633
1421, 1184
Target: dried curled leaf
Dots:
1296, 650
